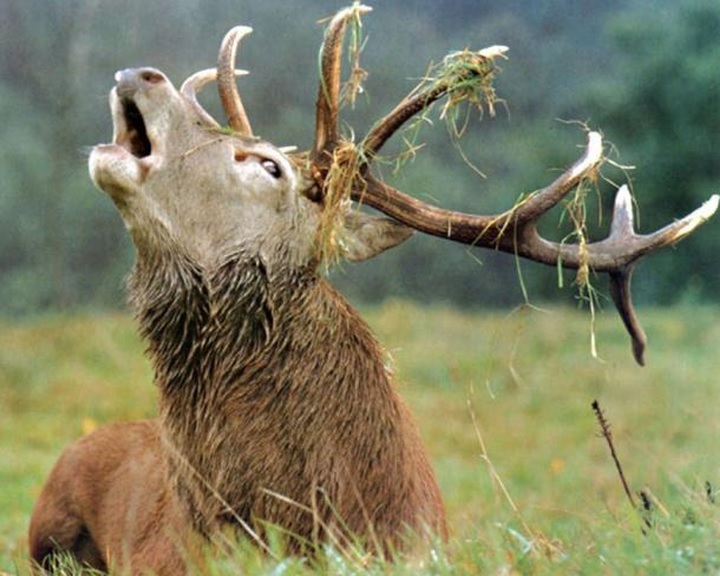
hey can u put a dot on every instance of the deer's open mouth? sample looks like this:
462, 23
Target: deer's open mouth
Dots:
133, 135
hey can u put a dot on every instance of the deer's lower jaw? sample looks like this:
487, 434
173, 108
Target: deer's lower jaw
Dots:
121, 166
114, 170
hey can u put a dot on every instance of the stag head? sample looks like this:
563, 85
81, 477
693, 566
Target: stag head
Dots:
184, 184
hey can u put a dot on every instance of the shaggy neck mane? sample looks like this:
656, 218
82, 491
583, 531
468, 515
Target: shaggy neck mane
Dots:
201, 325
244, 365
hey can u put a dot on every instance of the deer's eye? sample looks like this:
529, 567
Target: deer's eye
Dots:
272, 168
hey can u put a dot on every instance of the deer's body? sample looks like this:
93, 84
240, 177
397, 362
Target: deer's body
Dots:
108, 503
276, 404
261, 427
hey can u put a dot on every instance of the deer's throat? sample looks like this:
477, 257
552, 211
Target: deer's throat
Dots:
200, 325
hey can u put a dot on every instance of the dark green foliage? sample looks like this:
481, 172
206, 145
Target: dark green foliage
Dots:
660, 106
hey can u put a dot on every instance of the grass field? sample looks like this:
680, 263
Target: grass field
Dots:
503, 401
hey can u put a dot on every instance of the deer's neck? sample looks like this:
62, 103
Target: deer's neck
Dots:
205, 329
276, 387
180, 307
233, 343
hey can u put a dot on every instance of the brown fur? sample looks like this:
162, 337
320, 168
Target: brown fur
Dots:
107, 502
256, 404
254, 410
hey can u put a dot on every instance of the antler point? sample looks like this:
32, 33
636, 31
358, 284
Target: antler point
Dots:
711, 205
242, 30
622, 217
594, 145
493, 51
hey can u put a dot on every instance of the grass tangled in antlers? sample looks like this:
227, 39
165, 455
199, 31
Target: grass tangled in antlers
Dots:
462, 84
464, 79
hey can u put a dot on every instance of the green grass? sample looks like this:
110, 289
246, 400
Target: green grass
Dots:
543, 497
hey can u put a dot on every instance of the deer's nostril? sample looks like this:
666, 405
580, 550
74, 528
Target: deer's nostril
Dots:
151, 76
131, 80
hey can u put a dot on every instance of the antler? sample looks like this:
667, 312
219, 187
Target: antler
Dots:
514, 231
197, 82
328, 100
229, 96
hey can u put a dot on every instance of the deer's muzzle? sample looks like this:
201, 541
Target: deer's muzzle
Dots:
130, 130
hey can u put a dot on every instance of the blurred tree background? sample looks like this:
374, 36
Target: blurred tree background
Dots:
644, 72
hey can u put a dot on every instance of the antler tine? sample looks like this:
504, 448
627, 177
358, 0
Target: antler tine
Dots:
622, 231
622, 226
544, 200
422, 97
197, 82
227, 88
622, 297
410, 106
328, 99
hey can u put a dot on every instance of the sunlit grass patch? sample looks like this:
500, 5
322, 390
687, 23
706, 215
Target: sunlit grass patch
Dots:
503, 403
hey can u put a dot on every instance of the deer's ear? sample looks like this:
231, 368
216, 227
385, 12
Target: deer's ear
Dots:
365, 236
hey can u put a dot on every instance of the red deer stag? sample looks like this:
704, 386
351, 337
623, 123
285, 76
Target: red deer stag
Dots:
276, 405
